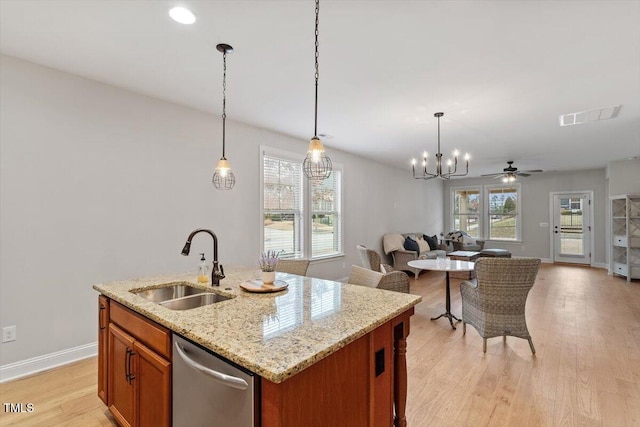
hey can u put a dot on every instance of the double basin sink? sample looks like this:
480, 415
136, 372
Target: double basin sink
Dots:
180, 296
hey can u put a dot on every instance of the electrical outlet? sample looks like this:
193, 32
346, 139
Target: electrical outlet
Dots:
9, 334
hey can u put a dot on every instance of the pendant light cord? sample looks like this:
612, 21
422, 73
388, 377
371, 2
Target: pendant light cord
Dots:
317, 74
224, 97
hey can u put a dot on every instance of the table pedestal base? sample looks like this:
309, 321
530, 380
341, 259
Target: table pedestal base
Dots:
447, 313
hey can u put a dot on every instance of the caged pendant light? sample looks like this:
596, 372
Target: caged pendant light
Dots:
317, 165
223, 178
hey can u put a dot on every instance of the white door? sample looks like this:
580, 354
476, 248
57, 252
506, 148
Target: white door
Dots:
571, 228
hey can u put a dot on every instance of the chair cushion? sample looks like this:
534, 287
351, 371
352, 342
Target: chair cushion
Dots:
392, 242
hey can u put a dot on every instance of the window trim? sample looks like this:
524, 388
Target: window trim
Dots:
306, 221
452, 206
483, 209
514, 186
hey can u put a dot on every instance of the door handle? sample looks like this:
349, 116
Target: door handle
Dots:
131, 377
225, 379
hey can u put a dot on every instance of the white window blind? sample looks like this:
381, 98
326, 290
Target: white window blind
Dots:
282, 198
325, 215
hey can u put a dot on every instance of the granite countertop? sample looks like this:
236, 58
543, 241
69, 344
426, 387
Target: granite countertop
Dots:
274, 335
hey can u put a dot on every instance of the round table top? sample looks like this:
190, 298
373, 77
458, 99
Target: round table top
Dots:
442, 265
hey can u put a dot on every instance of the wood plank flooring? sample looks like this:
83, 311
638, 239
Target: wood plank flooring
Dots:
586, 372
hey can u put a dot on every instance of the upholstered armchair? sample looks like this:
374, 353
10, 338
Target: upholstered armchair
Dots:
293, 266
494, 303
395, 281
461, 241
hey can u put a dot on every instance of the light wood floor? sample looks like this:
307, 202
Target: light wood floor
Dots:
585, 326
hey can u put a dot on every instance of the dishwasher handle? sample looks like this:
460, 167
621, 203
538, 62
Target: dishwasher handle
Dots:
227, 380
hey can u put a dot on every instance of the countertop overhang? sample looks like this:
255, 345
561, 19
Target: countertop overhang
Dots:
274, 335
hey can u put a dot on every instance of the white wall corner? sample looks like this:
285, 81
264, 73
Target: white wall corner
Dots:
34, 365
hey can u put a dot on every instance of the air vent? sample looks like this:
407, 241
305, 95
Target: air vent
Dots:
604, 113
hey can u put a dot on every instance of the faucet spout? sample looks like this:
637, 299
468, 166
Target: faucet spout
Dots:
217, 273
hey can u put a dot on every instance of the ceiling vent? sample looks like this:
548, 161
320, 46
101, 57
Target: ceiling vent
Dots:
604, 113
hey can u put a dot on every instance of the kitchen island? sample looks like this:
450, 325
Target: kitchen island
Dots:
325, 352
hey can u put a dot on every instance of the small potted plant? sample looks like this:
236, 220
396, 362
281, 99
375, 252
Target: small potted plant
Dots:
267, 263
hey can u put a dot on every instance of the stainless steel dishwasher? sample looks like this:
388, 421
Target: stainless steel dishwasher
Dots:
209, 391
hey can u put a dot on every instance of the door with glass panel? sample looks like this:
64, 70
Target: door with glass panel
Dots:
571, 228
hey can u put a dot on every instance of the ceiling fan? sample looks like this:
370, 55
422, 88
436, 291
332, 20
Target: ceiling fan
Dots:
510, 173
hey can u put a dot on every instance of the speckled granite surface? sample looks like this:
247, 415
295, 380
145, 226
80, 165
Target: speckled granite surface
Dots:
275, 335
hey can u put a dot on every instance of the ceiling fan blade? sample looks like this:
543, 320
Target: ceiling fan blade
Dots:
498, 176
493, 174
533, 171
523, 174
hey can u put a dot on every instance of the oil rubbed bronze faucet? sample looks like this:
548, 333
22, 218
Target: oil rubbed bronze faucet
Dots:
217, 273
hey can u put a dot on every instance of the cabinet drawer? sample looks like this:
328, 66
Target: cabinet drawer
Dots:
150, 333
620, 241
620, 269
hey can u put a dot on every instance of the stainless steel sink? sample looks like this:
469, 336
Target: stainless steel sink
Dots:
168, 293
194, 301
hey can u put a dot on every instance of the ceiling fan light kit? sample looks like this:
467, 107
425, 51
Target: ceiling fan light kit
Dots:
452, 166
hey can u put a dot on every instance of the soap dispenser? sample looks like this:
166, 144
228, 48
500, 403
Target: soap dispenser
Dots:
203, 271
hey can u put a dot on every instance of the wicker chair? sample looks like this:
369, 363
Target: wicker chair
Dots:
495, 303
395, 281
293, 266
371, 260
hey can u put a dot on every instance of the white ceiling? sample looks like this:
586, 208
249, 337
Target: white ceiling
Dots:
502, 71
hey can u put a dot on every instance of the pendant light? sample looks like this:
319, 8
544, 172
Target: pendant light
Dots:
223, 178
317, 165
452, 166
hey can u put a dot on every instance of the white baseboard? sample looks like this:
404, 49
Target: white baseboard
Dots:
546, 260
600, 265
34, 365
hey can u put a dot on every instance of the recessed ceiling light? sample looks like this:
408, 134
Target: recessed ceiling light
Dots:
182, 15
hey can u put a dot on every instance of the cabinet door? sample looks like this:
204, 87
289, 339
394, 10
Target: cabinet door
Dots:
103, 344
153, 387
121, 387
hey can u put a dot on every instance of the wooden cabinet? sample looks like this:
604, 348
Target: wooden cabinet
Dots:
625, 236
103, 343
139, 369
360, 383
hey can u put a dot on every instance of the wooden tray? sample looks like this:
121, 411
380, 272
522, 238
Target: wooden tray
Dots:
257, 285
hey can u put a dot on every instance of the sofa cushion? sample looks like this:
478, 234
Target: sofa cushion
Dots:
423, 245
411, 245
432, 241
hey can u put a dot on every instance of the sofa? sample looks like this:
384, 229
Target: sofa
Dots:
394, 245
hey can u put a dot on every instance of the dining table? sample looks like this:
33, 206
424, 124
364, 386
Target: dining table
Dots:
447, 265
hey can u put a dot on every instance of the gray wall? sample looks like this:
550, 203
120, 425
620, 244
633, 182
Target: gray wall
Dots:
535, 209
100, 184
624, 177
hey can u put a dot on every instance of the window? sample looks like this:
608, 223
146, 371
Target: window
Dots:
504, 208
325, 216
493, 214
301, 218
466, 210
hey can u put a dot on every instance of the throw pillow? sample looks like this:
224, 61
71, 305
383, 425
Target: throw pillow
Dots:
423, 245
455, 236
411, 245
468, 240
432, 241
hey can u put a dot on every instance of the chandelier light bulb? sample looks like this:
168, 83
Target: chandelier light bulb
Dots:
467, 157
425, 154
455, 153
413, 161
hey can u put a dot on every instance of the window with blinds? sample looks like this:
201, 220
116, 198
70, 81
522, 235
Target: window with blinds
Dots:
282, 206
325, 215
301, 218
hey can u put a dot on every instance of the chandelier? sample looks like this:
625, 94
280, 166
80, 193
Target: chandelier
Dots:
223, 178
451, 166
317, 165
